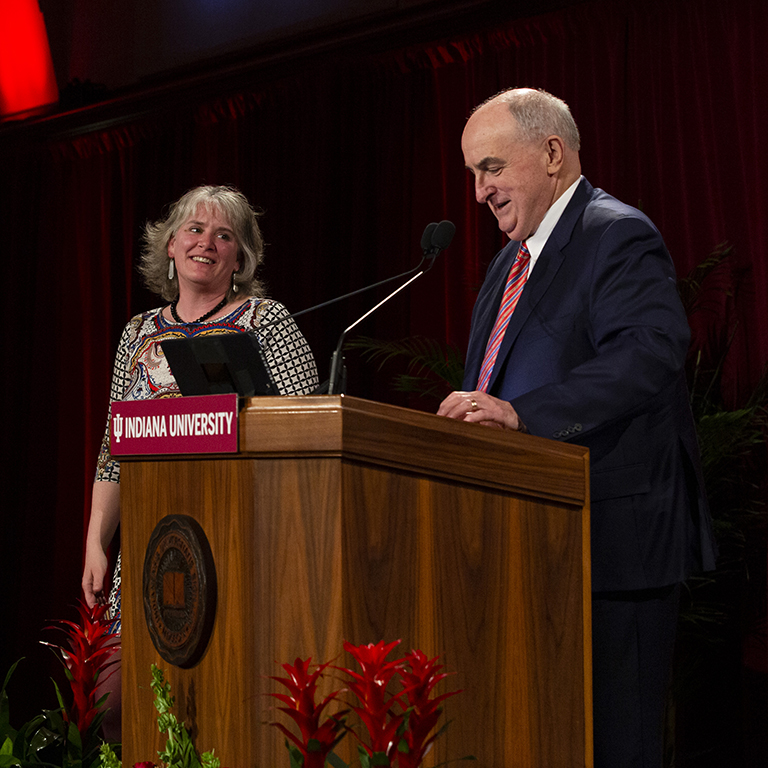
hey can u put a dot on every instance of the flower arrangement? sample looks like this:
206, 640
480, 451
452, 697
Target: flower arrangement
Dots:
399, 723
67, 736
87, 663
316, 740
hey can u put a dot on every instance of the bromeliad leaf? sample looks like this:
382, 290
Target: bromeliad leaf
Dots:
335, 761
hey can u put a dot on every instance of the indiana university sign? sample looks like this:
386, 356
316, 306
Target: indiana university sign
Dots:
174, 425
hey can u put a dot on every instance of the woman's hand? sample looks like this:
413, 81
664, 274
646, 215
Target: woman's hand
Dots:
94, 573
105, 516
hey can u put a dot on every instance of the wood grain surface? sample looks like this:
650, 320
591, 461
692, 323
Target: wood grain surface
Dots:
347, 520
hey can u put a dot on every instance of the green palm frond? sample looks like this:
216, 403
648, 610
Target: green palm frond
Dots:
691, 286
432, 369
727, 436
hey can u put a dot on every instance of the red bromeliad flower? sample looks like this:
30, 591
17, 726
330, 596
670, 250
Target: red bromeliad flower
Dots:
317, 740
376, 703
89, 655
423, 712
399, 725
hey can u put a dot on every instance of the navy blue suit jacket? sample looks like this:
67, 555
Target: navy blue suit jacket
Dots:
594, 355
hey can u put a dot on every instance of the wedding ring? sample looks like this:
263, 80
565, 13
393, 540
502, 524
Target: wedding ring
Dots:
473, 403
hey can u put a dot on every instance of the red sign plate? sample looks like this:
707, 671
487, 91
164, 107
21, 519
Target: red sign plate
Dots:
174, 425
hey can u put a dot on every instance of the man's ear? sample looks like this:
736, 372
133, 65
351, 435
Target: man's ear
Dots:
555, 147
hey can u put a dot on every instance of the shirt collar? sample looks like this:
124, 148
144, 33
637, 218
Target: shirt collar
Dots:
538, 239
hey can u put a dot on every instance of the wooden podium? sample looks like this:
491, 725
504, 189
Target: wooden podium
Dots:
343, 519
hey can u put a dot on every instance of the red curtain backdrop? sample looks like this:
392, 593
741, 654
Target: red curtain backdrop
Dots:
350, 156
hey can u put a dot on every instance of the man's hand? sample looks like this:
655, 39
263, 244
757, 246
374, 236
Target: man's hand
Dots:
480, 408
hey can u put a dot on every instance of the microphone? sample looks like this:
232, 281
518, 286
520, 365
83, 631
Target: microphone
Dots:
436, 238
441, 238
426, 247
426, 238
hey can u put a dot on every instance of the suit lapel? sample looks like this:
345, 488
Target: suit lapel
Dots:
547, 265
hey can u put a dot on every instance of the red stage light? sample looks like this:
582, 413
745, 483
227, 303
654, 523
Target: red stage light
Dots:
27, 80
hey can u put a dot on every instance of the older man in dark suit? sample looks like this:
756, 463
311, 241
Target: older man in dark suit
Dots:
578, 334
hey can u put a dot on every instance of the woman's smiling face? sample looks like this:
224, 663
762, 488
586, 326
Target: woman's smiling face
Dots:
205, 252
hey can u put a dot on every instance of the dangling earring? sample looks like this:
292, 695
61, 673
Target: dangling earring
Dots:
235, 289
170, 269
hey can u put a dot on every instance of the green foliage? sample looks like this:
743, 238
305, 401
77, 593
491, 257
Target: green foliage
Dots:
691, 288
297, 759
67, 737
335, 761
371, 761
432, 369
729, 440
48, 740
179, 750
108, 758
717, 611
732, 441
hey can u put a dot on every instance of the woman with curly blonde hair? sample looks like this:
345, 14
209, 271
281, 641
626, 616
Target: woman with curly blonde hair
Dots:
202, 259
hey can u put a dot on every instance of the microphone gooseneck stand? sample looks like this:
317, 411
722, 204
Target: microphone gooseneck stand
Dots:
436, 238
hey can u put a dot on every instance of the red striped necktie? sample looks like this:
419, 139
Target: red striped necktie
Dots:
518, 274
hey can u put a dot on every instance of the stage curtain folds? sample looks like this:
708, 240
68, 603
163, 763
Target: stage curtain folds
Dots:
349, 158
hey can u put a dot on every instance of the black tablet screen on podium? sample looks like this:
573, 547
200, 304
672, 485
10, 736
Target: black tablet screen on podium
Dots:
220, 363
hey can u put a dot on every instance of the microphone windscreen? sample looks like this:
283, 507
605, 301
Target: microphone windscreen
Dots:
443, 234
426, 238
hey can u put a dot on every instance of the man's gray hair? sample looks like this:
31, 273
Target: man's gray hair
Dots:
539, 114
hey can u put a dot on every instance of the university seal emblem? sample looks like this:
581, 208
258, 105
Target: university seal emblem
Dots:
179, 590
